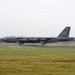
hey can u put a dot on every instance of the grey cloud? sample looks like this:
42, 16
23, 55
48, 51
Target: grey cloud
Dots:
29, 16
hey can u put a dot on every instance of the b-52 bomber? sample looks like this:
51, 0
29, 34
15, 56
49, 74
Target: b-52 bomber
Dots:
63, 36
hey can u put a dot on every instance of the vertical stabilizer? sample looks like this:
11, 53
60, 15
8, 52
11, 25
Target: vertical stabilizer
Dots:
65, 32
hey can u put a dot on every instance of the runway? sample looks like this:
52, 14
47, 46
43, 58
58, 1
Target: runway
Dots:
35, 45
67, 43
21, 46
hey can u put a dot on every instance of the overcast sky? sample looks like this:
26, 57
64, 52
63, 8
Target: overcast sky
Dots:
45, 18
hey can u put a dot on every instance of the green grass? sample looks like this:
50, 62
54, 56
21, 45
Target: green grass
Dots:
37, 61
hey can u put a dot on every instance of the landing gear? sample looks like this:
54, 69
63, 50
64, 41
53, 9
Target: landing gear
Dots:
42, 43
19, 43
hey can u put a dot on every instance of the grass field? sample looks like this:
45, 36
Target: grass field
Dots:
58, 60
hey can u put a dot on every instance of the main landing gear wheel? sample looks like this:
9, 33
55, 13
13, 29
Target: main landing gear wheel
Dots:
42, 43
19, 43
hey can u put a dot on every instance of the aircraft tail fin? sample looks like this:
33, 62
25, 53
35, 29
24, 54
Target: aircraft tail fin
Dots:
65, 32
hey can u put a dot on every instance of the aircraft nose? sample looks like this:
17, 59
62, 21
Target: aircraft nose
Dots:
3, 39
